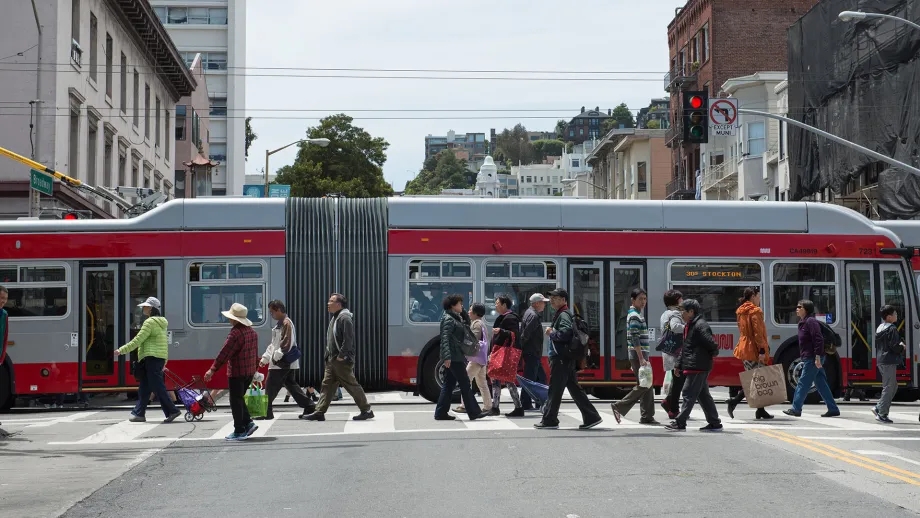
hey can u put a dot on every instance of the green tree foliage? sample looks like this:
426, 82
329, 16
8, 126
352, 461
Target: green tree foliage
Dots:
250, 135
560, 129
621, 116
545, 148
351, 165
653, 124
513, 146
443, 171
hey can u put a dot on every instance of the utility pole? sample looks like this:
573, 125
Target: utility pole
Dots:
35, 196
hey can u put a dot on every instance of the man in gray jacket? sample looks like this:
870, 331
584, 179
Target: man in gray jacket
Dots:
340, 362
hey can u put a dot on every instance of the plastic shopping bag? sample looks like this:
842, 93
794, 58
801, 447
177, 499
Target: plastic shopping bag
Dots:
668, 379
256, 400
645, 376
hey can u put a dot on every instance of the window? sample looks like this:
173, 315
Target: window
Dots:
157, 128
161, 14
137, 99
92, 145
219, 107
431, 280
641, 177
75, 21
198, 15
192, 15
109, 48
215, 285
167, 132
73, 167
108, 155
123, 75
180, 122
214, 60
793, 282
717, 286
35, 291
519, 280
704, 34
756, 143
177, 15
196, 128
218, 152
575, 162
93, 44
147, 111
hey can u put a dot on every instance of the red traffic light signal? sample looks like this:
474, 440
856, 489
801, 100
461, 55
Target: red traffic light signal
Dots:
70, 215
696, 102
695, 117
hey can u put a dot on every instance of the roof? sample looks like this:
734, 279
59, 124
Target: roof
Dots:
757, 78
152, 36
592, 114
612, 137
640, 134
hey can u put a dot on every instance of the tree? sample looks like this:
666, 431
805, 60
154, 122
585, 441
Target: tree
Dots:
351, 165
545, 148
621, 117
653, 124
561, 125
514, 145
250, 135
443, 171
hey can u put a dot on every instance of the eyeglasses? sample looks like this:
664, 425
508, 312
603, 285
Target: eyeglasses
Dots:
799, 307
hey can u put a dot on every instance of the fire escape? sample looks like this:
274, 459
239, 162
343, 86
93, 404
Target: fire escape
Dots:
683, 182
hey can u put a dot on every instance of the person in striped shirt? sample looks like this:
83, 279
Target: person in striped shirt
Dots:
637, 338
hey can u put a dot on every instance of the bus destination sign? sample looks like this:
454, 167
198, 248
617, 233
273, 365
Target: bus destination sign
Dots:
715, 272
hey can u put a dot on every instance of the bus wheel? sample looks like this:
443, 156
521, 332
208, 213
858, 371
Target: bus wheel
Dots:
6, 389
433, 378
792, 365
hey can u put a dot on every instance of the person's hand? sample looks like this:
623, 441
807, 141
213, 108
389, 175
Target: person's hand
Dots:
676, 372
262, 362
818, 362
548, 330
117, 354
341, 358
208, 375
447, 363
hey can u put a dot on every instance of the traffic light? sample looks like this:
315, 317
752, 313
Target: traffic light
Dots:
70, 215
696, 117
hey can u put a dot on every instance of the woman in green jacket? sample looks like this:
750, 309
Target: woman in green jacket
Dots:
152, 352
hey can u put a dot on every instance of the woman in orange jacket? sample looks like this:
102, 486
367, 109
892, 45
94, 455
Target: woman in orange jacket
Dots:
752, 348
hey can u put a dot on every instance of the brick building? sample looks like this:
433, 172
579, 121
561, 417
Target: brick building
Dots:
709, 42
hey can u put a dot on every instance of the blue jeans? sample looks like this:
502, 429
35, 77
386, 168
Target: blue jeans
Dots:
812, 375
453, 376
153, 383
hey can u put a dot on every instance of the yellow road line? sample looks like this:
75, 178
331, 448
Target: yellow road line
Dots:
851, 458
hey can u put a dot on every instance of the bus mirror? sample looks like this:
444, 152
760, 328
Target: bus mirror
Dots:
903, 252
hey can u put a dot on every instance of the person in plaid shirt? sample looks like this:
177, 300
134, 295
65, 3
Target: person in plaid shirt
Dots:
241, 354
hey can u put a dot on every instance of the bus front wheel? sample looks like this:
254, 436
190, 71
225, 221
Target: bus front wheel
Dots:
792, 366
433, 378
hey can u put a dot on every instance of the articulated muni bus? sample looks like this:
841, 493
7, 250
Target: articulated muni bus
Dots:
74, 285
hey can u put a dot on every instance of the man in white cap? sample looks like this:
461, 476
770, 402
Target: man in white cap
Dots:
532, 338
241, 354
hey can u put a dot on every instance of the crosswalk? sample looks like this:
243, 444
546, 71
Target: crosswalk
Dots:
86, 429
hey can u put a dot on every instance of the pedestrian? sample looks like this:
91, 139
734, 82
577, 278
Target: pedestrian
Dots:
563, 364
241, 354
152, 354
340, 362
672, 328
532, 337
506, 332
637, 339
811, 352
281, 373
890, 347
478, 365
695, 363
452, 333
4, 336
752, 349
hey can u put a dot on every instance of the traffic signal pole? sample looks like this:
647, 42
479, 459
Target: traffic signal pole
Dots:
843, 142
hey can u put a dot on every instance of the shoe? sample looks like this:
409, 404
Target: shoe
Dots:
792, 412
651, 422
251, 429
447, 417
480, 416
674, 426
711, 428
460, 409
314, 397
875, 412
831, 414
236, 437
137, 419
616, 413
518, 412
543, 426
315, 416
762, 414
731, 408
263, 418
588, 426
364, 416
884, 419
172, 417
495, 412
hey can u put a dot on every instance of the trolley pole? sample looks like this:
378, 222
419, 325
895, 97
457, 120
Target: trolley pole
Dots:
843, 142
35, 196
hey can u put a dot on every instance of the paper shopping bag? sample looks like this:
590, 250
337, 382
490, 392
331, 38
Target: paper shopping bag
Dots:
764, 386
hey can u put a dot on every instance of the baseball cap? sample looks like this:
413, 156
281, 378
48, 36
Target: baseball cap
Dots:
559, 292
538, 297
151, 302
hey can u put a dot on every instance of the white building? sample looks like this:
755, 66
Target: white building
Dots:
216, 29
575, 165
107, 93
733, 168
540, 179
776, 160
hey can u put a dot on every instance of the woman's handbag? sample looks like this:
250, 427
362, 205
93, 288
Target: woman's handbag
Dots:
139, 369
470, 345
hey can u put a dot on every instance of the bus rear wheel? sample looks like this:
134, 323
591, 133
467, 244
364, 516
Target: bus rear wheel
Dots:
792, 366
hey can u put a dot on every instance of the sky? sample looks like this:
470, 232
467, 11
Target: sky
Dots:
470, 35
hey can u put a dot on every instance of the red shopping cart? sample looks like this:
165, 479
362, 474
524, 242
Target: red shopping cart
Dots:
195, 396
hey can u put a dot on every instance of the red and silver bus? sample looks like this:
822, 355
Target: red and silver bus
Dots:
74, 285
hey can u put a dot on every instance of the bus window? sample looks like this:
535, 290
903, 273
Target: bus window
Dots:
518, 280
717, 286
215, 286
893, 294
793, 282
432, 280
35, 291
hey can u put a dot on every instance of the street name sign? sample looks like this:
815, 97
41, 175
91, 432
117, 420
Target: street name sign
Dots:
41, 182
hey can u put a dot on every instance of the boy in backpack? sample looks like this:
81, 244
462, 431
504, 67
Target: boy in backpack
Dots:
889, 346
563, 363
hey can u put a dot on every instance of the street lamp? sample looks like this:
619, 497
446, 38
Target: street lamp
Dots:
847, 16
321, 142
574, 180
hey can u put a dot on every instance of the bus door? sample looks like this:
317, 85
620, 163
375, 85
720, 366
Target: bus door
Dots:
894, 292
99, 324
142, 280
625, 277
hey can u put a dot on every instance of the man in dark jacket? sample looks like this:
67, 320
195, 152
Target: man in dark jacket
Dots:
562, 368
340, 362
695, 362
532, 337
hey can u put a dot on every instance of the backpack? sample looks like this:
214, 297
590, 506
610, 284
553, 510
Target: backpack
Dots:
578, 347
831, 339
470, 345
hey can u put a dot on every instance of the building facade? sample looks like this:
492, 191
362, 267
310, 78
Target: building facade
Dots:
194, 172
642, 166
587, 125
106, 90
709, 42
474, 143
216, 29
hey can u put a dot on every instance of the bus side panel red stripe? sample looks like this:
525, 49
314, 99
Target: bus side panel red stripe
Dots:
113, 245
645, 244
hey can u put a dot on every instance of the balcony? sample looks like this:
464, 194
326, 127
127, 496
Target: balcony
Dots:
681, 77
719, 177
674, 135
682, 187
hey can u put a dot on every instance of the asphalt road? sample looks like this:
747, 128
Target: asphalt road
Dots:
82, 464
